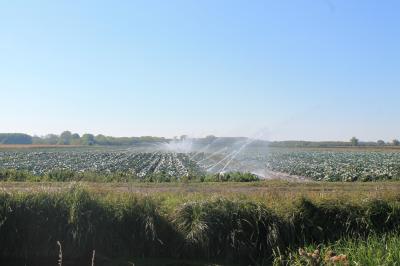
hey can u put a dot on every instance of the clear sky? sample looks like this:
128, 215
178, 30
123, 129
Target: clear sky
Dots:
293, 69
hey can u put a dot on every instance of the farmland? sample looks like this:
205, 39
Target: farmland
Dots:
198, 223
337, 165
140, 164
344, 164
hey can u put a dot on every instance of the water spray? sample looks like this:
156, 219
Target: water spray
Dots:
213, 154
238, 151
225, 158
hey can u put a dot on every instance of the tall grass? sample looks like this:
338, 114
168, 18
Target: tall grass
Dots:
228, 229
331, 220
122, 225
382, 250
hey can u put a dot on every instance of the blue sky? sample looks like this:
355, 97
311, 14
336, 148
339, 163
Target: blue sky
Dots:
291, 69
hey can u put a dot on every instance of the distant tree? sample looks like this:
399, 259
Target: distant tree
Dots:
75, 139
51, 139
65, 138
183, 137
380, 142
87, 139
396, 142
102, 140
354, 141
15, 138
38, 140
210, 139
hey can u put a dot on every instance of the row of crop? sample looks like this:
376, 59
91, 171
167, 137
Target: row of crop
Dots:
238, 231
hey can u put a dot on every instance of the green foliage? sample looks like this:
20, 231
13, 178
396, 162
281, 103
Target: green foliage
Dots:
51, 139
374, 250
337, 165
65, 138
108, 140
68, 138
321, 144
87, 139
15, 138
331, 220
380, 142
230, 229
32, 223
231, 177
120, 176
354, 141
238, 231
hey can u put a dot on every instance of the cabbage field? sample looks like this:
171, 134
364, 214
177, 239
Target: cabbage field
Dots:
320, 165
337, 165
140, 164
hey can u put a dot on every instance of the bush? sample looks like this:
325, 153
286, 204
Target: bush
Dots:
231, 177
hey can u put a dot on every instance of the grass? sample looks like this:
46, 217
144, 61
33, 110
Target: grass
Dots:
229, 225
374, 250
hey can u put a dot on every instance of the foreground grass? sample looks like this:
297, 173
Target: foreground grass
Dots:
383, 250
231, 226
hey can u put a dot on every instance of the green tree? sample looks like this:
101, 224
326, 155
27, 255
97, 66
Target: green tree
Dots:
396, 142
87, 139
65, 138
51, 139
380, 142
15, 138
75, 139
101, 140
354, 141
38, 140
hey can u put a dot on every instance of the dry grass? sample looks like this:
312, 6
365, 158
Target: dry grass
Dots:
276, 194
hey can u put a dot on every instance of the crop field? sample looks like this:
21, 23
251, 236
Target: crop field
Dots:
140, 164
297, 219
200, 223
345, 164
337, 165
315, 164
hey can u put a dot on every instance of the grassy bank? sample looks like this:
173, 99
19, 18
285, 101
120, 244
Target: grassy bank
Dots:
241, 230
374, 250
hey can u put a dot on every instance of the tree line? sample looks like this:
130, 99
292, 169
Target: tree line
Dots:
326, 144
69, 138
